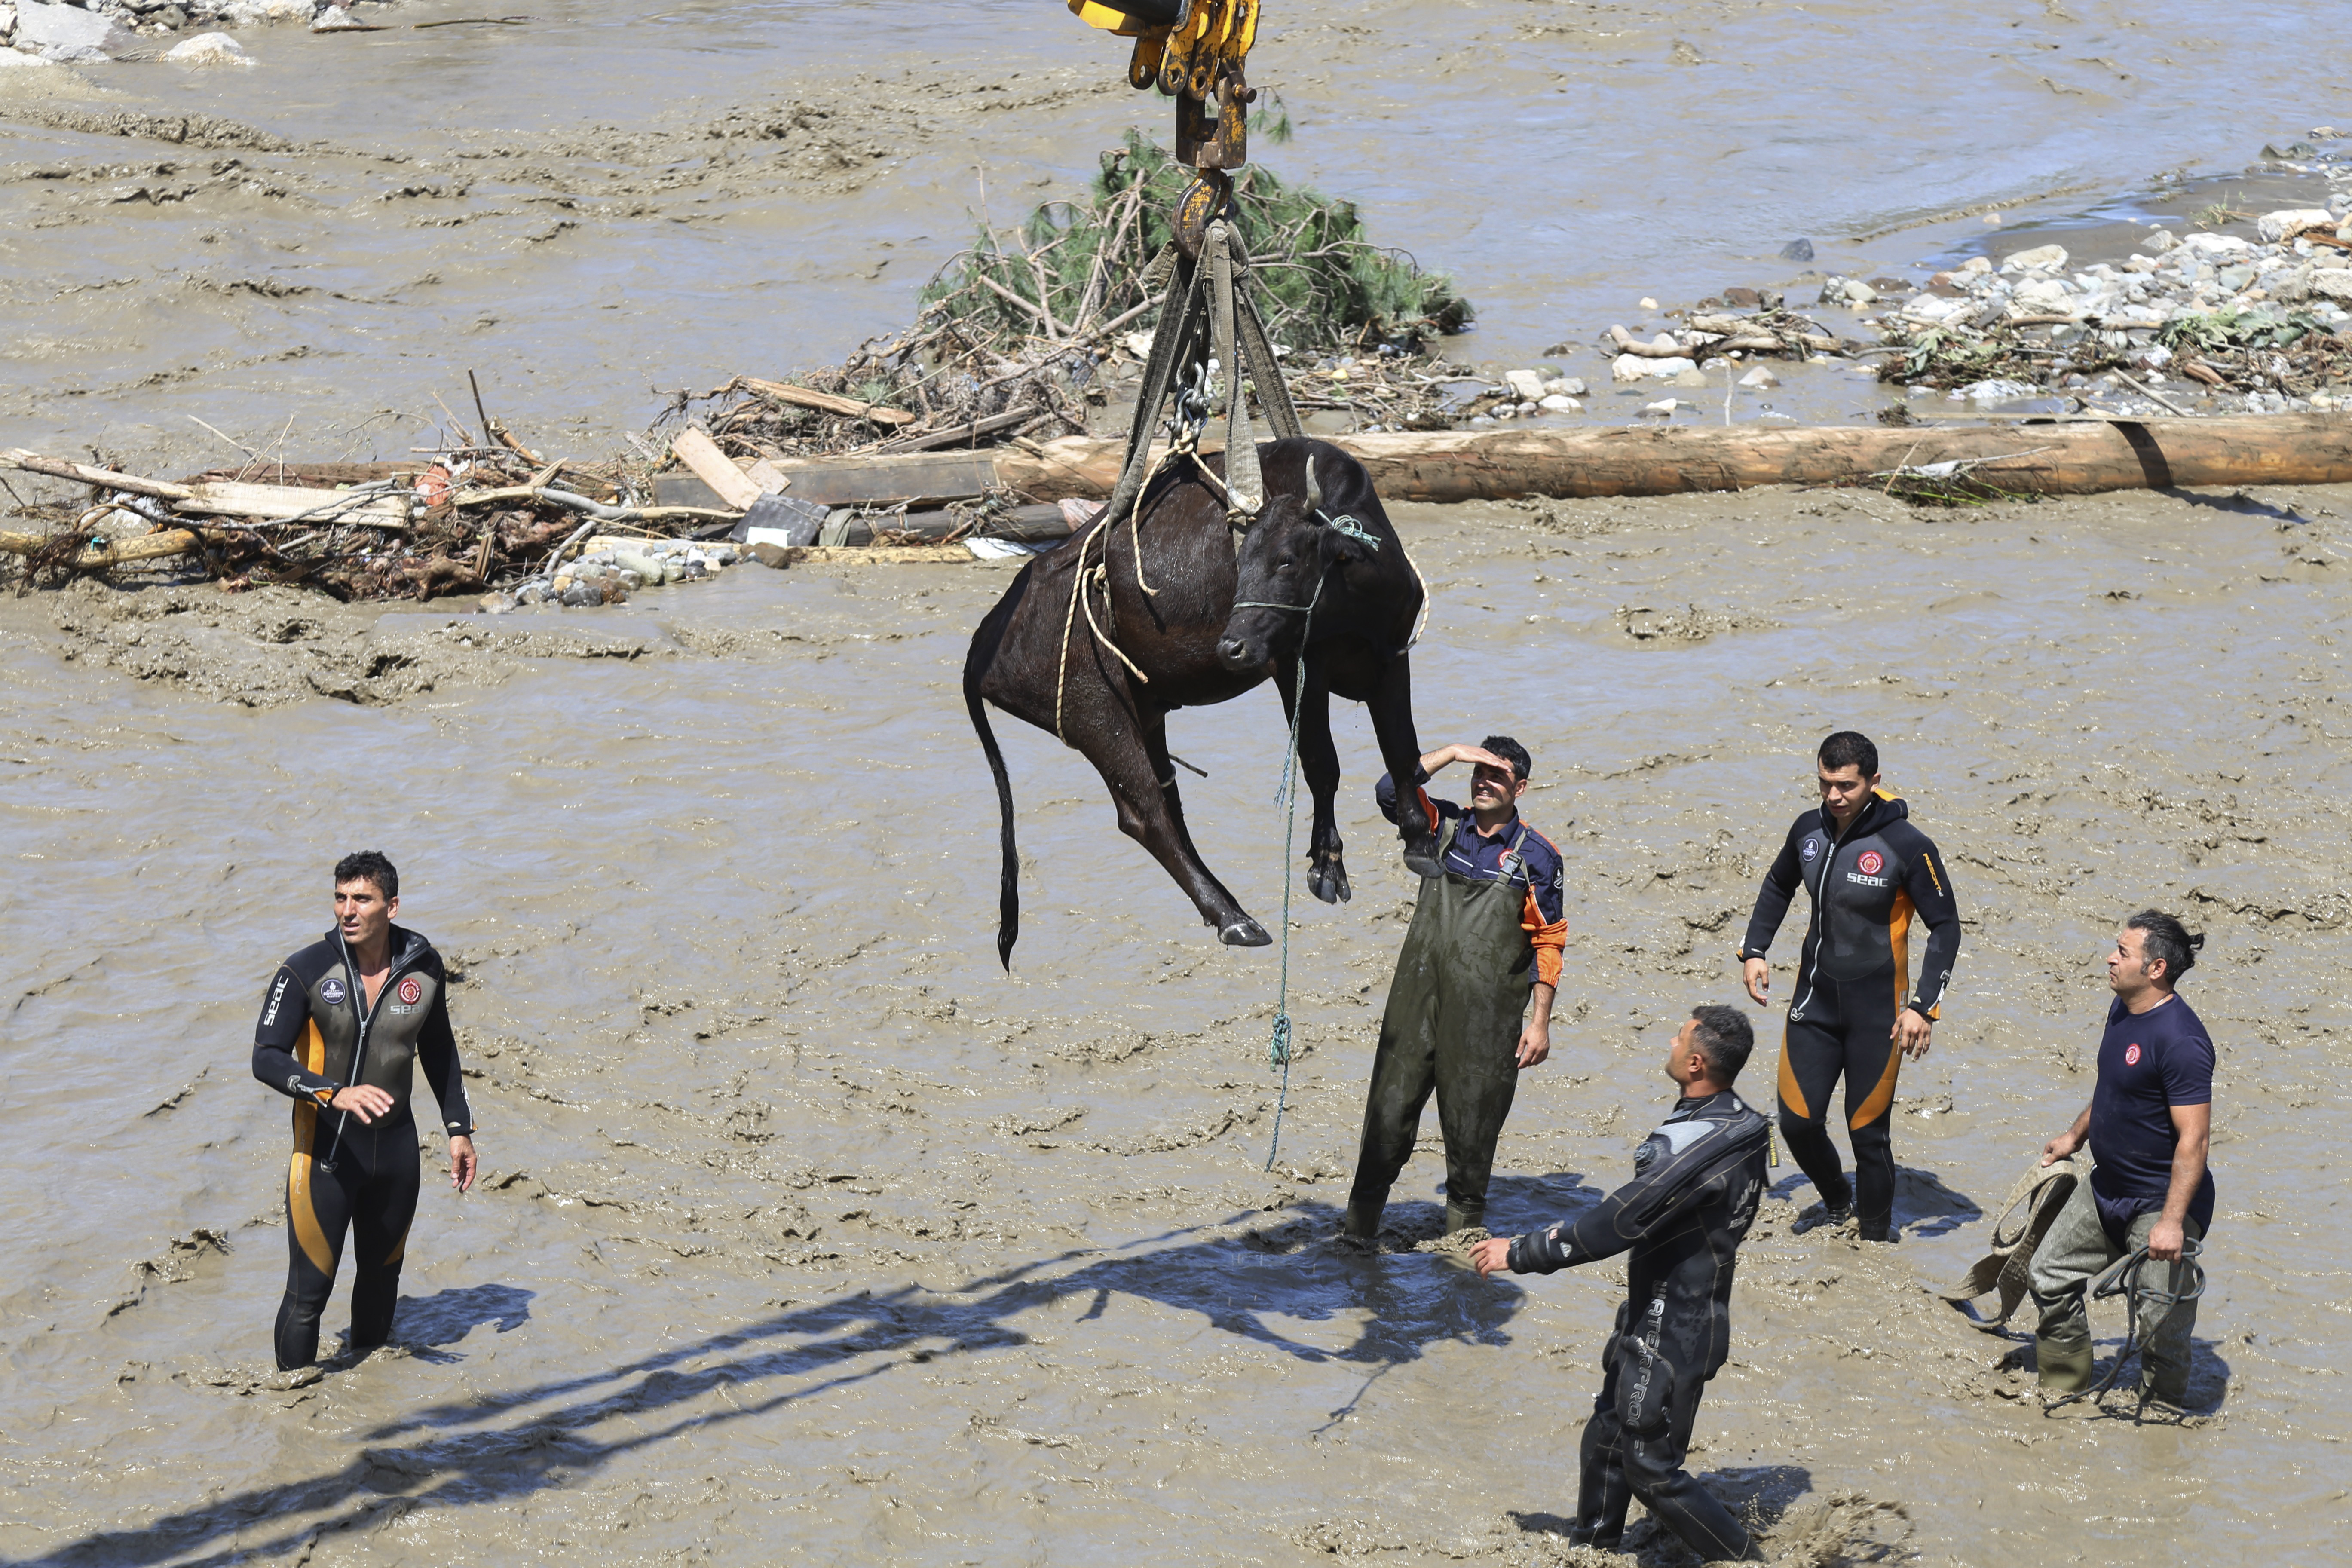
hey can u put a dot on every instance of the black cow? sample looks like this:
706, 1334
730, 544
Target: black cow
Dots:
1321, 572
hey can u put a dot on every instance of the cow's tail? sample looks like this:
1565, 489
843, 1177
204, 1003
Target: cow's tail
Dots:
984, 644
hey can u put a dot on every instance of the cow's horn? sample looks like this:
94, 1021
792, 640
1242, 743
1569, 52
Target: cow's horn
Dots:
1314, 491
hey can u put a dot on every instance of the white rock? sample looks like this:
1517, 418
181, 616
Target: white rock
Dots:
10, 59
45, 28
1566, 387
1996, 391
1975, 264
1649, 304
7, 20
255, 13
1560, 402
1667, 369
1664, 406
1760, 378
1504, 411
1857, 292
2047, 297
2334, 284
1934, 308
2288, 221
2214, 247
2041, 258
335, 18
2159, 241
1526, 383
208, 49
1697, 377
1628, 367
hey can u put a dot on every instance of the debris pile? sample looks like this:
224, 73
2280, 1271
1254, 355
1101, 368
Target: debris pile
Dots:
1034, 330
2261, 320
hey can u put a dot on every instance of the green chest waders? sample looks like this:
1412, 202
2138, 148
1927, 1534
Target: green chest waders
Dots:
1451, 1026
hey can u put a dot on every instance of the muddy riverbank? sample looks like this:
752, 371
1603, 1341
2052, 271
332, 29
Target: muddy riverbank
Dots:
602, 208
803, 1223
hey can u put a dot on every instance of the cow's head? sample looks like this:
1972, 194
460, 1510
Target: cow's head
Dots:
1286, 565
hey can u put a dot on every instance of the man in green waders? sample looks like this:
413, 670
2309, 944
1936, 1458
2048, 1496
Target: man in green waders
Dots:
1486, 936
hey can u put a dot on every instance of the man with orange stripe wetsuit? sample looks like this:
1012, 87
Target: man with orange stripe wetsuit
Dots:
1487, 937
345, 1023
1854, 1012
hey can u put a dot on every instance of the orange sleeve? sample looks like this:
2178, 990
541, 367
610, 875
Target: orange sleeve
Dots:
1549, 939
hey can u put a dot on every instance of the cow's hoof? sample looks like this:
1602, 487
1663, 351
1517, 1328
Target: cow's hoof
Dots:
1421, 855
1245, 933
1328, 882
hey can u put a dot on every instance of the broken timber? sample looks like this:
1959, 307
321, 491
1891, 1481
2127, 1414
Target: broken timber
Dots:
2082, 457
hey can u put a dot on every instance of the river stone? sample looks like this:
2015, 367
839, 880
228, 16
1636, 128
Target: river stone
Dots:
1691, 377
208, 49
1526, 383
2286, 222
2041, 258
2046, 296
2334, 283
1628, 367
10, 60
1567, 386
1559, 402
69, 28
1760, 378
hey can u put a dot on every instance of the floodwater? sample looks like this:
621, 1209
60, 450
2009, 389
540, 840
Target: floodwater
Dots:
807, 1230
611, 205
808, 1233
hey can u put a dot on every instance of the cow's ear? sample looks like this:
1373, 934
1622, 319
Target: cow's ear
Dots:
1339, 547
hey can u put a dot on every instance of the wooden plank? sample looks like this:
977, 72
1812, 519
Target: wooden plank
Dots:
227, 498
734, 488
784, 392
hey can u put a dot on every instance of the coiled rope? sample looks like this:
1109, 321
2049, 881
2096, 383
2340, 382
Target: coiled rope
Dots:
2123, 1280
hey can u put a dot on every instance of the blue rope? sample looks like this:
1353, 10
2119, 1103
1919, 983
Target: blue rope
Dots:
1278, 1048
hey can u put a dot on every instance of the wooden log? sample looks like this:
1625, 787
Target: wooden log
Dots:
57, 468
2073, 457
116, 553
784, 392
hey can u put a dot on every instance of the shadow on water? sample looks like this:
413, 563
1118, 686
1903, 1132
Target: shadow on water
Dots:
425, 1323
1237, 1283
1923, 1206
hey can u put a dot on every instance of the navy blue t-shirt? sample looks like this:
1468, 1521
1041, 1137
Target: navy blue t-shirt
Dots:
2149, 1062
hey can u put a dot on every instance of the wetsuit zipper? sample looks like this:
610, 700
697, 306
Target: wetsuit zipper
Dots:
1821, 899
367, 1019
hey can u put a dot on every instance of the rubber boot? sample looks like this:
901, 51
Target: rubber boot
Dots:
1458, 1218
2064, 1364
1877, 1227
1362, 1220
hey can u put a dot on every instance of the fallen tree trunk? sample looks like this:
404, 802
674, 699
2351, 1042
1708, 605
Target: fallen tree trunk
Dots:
119, 553
2078, 457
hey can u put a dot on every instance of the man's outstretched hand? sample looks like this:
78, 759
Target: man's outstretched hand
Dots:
462, 1165
1492, 1256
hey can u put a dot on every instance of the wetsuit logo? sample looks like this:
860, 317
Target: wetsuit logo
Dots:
410, 991
2131, 1055
277, 995
1871, 861
1812, 847
331, 993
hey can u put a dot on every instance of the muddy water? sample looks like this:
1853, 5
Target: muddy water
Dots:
806, 1228
608, 205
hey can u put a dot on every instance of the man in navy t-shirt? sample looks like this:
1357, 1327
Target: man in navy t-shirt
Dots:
2148, 1125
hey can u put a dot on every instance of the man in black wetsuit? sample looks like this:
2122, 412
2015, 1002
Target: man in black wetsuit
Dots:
1695, 1184
343, 1023
1854, 1014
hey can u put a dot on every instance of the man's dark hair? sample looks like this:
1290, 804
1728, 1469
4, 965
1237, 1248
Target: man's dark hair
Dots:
2162, 938
369, 866
1850, 749
1725, 1037
1511, 752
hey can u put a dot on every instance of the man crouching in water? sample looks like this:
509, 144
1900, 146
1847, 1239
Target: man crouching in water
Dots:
1693, 1196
